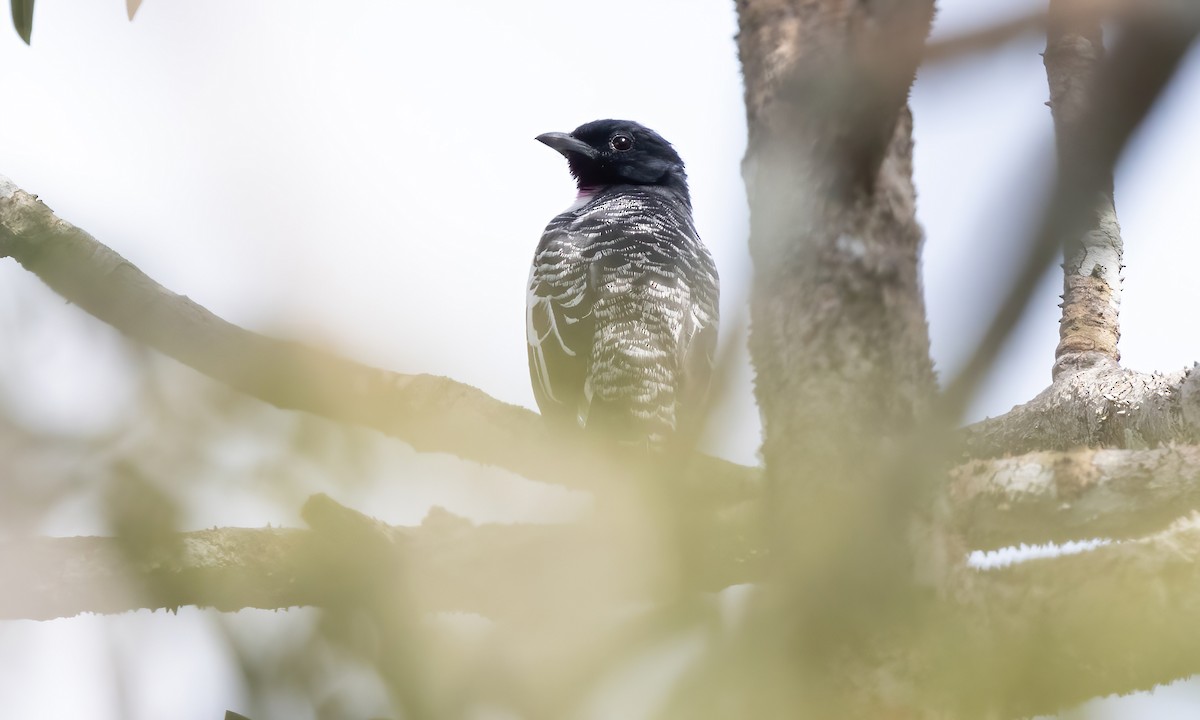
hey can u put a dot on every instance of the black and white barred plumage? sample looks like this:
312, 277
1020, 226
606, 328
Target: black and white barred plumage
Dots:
622, 309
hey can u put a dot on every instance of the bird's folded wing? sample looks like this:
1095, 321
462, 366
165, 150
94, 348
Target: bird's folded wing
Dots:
559, 327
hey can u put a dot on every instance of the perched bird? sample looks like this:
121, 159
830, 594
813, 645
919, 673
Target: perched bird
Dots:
622, 312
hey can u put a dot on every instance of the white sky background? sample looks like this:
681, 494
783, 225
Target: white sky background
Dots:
366, 178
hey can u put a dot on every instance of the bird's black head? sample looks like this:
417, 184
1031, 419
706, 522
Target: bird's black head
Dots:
619, 152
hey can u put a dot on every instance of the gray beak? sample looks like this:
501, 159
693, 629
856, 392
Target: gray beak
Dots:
564, 143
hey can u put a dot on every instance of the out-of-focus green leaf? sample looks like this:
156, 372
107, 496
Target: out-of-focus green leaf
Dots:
131, 6
23, 18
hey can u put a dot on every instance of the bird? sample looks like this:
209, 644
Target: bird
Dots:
622, 307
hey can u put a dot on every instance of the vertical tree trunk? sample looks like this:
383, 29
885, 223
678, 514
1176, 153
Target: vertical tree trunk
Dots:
838, 337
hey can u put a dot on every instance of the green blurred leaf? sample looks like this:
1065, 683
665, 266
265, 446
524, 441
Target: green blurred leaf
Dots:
23, 18
131, 6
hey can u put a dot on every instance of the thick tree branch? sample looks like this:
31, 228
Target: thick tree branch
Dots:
445, 564
228, 569
1008, 639
433, 414
1081, 494
1101, 406
1044, 635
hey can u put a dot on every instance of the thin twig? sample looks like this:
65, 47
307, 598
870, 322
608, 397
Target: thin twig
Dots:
988, 38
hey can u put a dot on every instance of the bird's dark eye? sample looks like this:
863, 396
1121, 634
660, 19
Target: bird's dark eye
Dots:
621, 143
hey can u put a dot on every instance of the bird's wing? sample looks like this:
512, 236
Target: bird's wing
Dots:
559, 324
698, 347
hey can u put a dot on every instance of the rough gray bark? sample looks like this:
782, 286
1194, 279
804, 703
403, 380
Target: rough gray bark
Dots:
838, 334
1098, 406
1082, 494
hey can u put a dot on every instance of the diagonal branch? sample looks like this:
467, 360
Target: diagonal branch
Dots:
992, 36
433, 414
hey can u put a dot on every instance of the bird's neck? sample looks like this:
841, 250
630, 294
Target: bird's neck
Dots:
677, 184
677, 188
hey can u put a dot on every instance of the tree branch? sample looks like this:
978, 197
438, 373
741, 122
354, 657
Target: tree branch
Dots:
1077, 12
1081, 494
1128, 82
1101, 406
227, 569
433, 414
1008, 639
988, 38
445, 564
1090, 327
1044, 635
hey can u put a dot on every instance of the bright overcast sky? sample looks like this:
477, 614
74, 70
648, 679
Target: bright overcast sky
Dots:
366, 178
